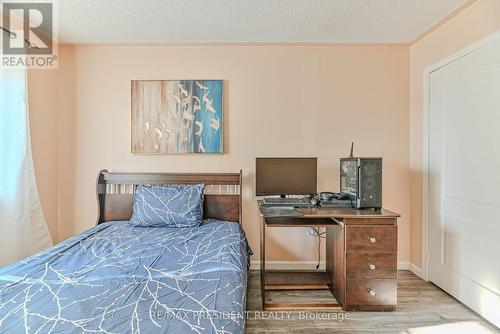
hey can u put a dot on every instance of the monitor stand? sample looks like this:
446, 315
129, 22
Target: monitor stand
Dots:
282, 196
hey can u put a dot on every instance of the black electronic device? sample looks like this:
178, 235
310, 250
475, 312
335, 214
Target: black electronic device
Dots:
314, 200
326, 196
285, 176
361, 181
336, 203
341, 196
334, 200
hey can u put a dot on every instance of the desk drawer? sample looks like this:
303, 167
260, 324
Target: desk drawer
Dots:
365, 238
371, 292
371, 265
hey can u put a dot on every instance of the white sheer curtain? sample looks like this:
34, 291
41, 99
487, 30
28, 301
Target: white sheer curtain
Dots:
23, 230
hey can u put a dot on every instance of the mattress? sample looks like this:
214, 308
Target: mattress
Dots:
116, 278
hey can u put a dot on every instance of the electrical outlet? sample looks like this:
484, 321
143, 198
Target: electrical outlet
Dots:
310, 231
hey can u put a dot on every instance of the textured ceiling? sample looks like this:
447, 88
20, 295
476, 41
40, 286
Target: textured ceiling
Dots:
202, 21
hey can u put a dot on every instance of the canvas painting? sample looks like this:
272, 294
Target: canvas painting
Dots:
177, 116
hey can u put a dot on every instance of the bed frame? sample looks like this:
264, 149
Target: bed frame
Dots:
115, 193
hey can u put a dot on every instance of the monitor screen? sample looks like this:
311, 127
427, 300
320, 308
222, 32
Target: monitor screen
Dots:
285, 176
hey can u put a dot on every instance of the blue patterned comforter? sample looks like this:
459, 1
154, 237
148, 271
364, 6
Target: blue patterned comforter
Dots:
116, 278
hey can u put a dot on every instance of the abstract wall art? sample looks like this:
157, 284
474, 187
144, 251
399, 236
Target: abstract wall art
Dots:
177, 116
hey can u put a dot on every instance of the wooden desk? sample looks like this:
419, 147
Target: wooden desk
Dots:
361, 259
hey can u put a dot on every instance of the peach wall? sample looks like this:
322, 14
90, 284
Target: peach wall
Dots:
51, 105
317, 97
279, 101
42, 90
477, 21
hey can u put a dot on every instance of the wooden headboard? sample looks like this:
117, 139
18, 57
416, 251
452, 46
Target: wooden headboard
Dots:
115, 193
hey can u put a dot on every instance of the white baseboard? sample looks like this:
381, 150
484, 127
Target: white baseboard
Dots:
403, 265
416, 270
311, 265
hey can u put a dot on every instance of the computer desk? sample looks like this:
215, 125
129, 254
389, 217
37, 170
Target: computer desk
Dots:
361, 259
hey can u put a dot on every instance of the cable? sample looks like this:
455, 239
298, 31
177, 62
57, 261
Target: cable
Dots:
319, 235
319, 252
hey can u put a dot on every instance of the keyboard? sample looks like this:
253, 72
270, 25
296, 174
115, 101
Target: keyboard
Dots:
280, 211
301, 202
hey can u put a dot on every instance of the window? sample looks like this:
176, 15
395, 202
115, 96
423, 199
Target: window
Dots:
12, 132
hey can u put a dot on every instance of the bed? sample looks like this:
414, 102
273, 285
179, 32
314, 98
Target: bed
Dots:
118, 278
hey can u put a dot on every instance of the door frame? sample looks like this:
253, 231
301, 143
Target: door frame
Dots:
426, 140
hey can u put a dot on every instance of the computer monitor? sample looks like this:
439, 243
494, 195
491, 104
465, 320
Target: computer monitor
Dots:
286, 176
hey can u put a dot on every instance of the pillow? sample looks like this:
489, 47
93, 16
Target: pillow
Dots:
170, 206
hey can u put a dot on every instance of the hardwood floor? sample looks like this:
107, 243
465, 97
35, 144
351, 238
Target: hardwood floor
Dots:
422, 308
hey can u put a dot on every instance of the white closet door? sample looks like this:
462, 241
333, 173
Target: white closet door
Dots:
464, 180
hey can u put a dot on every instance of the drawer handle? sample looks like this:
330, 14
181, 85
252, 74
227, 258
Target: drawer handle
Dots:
372, 239
371, 292
371, 266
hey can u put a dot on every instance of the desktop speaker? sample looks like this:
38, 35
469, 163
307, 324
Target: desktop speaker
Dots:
361, 180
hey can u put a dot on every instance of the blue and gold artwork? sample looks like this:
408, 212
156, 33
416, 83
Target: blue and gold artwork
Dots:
177, 116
